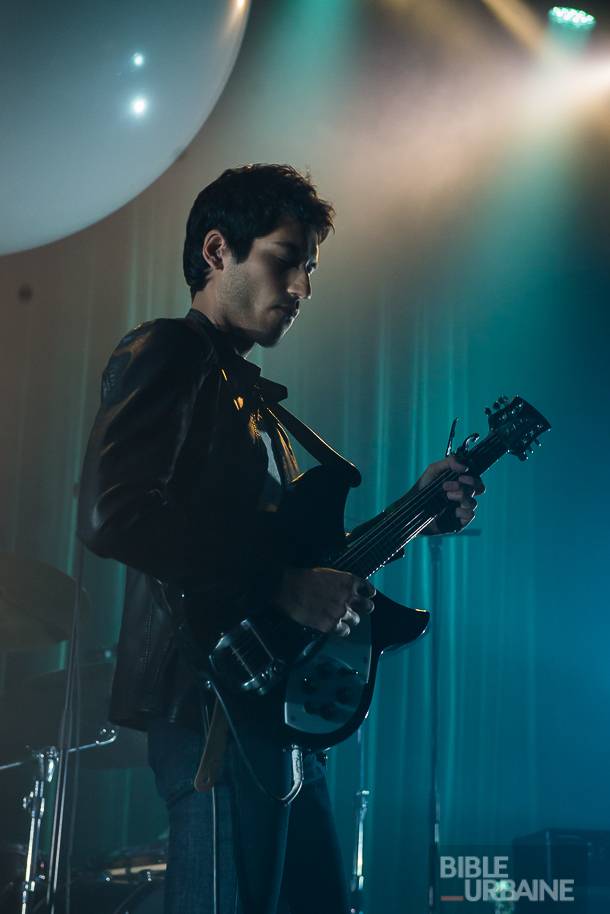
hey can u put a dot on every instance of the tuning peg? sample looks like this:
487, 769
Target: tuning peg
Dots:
472, 439
497, 404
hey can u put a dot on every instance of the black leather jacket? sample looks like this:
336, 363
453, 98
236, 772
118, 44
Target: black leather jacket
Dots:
171, 484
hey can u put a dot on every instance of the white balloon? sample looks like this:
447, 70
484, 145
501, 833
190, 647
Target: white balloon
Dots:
98, 99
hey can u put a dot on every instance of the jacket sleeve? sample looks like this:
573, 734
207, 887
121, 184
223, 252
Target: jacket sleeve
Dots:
126, 509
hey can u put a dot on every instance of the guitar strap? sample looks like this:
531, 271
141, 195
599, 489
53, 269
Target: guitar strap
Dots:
271, 393
314, 444
213, 751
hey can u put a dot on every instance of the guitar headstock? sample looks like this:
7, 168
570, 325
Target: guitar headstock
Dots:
518, 424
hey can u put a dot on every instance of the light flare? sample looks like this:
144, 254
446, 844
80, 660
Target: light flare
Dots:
139, 106
520, 21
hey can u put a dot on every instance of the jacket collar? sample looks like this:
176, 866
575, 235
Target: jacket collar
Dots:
246, 373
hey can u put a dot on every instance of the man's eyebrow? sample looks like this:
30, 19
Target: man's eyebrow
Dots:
296, 250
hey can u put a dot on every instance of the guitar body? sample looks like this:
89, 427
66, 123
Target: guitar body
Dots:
319, 687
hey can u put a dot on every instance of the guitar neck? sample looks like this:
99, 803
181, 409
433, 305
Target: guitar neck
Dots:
403, 520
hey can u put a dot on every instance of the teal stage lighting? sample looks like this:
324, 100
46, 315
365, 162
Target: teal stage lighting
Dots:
572, 18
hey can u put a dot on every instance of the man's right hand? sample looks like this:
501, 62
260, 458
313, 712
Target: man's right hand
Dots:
322, 598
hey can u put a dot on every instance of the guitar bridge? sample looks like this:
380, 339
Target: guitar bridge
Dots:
243, 662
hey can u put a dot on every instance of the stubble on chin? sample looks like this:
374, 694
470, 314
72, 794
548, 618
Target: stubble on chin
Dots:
272, 339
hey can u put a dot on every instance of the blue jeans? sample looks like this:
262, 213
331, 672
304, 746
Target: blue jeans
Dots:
270, 859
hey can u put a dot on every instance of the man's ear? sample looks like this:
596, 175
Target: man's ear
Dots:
214, 249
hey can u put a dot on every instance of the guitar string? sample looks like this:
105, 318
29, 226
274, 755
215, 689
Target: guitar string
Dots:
489, 443
380, 533
384, 543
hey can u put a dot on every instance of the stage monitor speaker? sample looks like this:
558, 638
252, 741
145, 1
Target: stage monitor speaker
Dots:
560, 853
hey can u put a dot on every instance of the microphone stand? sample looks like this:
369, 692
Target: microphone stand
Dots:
434, 806
434, 802
361, 806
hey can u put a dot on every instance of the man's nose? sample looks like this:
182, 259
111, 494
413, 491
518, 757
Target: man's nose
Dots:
300, 287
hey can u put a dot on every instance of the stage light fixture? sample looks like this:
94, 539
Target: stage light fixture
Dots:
139, 106
572, 18
138, 60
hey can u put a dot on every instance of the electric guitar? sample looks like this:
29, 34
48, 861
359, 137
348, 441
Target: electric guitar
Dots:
284, 684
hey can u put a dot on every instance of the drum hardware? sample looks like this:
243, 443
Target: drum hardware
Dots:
45, 760
31, 711
137, 869
139, 895
38, 604
145, 862
41, 606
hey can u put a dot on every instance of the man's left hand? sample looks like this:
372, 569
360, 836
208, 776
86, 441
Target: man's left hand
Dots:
461, 491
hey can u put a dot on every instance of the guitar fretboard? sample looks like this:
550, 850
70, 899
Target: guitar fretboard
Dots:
406, 518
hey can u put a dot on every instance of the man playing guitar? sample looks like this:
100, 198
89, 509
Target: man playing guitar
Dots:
185, 467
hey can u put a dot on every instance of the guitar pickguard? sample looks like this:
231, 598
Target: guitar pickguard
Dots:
322, 693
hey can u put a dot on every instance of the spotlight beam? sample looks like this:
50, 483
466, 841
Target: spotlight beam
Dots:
520, 21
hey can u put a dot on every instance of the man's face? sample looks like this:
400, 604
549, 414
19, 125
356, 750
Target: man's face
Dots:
260, 297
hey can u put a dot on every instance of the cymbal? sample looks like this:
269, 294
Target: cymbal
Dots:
36, 603
30, 715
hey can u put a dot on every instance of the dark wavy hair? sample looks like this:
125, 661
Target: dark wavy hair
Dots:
247, 203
